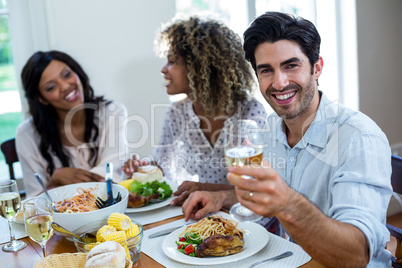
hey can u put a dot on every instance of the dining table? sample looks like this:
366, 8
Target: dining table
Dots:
27, 257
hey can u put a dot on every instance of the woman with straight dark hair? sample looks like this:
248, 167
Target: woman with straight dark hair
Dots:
68, 138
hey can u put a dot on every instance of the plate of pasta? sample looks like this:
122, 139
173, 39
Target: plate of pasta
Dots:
254, 237
76, 203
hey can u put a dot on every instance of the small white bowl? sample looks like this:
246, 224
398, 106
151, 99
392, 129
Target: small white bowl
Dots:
72, 221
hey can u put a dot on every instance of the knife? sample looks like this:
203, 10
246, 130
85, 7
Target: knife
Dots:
164, 232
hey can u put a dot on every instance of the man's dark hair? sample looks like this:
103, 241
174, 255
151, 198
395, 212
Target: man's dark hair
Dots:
274, 26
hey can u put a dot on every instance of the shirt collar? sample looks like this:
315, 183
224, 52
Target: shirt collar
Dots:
318, 131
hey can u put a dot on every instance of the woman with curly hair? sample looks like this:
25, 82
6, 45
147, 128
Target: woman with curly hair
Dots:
66, 139
205, 62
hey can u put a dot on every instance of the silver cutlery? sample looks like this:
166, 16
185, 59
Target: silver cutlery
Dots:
280, 256
55, 209
164, 232
169, 230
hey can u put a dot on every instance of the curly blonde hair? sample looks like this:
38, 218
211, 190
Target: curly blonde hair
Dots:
219, 75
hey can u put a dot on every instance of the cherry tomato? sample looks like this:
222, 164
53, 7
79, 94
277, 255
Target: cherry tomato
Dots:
189, 249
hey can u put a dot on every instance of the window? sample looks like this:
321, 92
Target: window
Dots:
10, 105
339, 79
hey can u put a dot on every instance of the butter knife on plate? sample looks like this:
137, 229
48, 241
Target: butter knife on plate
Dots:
169, 230
164, 232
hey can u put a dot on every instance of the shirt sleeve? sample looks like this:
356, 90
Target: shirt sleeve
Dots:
112, 147
32, 161
361, 188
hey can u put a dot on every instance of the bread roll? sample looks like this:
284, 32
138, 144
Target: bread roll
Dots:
148, 173
109, 254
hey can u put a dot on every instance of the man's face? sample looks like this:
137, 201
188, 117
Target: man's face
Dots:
286, 80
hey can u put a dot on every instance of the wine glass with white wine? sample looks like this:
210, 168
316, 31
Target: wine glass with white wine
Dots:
38, 216
10, 205
243, 146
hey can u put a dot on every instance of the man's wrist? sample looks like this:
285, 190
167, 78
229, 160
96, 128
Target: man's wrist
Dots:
292, 213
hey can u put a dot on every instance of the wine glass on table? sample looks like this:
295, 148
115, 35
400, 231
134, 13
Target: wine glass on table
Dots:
243, 141
38, 217
10, 204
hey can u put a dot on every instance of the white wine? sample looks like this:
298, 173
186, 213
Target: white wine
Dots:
10, 204
243, 155
39, 227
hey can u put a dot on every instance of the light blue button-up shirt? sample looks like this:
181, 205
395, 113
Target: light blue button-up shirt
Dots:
343, 166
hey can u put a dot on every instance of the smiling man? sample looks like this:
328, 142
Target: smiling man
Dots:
328, 175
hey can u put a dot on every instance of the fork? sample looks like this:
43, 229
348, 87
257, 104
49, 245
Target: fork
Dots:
280, 256
54, 207
110, 200
105, 203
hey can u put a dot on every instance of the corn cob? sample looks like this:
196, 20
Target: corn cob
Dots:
133, 231
128, 256
104, 230
91, 246
120, 221
119, 237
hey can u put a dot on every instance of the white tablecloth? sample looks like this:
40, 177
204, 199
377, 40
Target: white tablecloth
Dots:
155, 215
19, 230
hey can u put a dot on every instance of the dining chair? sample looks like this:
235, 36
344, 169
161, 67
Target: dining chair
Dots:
396, 181
10, 155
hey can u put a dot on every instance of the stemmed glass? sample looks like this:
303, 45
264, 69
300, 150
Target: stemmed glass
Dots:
38, 216
10, 205
243, 146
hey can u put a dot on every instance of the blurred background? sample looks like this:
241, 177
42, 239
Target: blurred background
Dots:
113, 41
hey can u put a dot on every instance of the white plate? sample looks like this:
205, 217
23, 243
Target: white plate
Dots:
255, 238
152, 206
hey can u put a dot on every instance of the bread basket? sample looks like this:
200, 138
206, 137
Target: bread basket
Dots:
68, 260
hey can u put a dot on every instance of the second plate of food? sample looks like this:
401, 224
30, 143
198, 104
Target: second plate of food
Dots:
255, 238
155, 205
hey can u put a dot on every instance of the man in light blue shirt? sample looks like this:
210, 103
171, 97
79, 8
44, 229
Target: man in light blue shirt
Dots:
330, 182
341, 165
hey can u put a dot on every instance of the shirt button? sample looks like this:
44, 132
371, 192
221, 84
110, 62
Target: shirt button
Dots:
292, 158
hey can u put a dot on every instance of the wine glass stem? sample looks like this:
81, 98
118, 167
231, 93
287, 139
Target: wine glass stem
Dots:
12, 237
44, 250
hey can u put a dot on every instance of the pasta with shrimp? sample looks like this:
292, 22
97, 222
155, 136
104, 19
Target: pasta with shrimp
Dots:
84, 201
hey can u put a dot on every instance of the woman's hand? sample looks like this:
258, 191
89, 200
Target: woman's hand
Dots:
131, 165
188, 187
199, 204
184, 190
68, 175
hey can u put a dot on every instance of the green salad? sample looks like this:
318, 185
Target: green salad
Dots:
149, 188
188, 244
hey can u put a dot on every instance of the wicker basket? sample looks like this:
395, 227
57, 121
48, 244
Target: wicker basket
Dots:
68, 260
